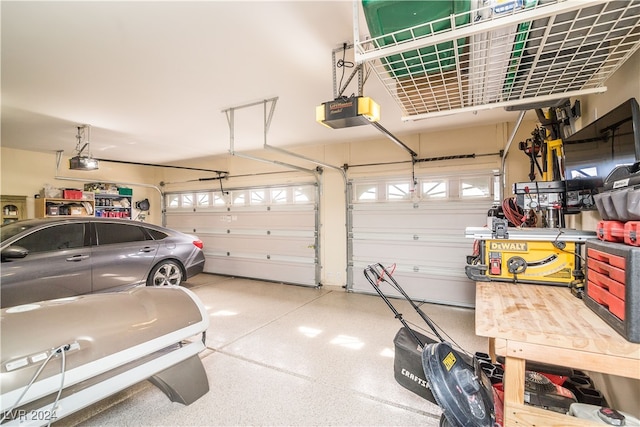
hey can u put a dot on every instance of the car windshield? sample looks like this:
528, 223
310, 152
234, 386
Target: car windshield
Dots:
9, 230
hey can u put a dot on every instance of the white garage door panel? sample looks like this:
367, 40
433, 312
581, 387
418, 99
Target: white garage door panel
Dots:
271, 270
448, 256
440, 235
233, 243
450, 290
248, 218
268, 220
411, 220
186, 222
381, 216
256, 237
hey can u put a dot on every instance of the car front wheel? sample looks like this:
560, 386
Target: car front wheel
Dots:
165, 273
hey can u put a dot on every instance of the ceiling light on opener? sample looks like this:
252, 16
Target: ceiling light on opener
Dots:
79, 161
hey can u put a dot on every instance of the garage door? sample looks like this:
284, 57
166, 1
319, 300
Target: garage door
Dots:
268, 233
421, 232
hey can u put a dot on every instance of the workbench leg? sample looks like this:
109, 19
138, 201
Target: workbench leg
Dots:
513, 385
492, 350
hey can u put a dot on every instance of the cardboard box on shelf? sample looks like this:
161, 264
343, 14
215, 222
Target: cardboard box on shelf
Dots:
77, 210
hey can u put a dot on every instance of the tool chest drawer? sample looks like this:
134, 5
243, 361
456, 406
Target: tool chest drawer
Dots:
613, 285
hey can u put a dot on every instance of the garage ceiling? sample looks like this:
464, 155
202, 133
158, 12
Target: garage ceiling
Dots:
153, 78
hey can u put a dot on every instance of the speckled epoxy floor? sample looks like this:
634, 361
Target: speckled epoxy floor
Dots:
291, 356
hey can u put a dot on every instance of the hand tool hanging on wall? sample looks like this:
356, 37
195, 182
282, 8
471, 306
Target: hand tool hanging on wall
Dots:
532, 147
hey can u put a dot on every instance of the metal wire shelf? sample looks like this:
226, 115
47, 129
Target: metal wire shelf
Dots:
486, 58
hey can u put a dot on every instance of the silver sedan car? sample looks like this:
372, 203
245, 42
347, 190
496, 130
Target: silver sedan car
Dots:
51, 258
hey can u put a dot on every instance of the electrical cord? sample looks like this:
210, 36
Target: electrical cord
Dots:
576, 283
62, 372
512, 212
476, 248
557, 246
59, 350
342, 63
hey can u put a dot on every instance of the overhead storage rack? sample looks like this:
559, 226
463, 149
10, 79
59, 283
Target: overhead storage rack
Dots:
507, 54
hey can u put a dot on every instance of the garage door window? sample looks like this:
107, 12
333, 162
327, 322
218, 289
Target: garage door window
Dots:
203, 199
475, 187
429, 188
250, 197
279, 195
239, 198
303, 195
434, 189
366, 192
110, 233
399, 191
173, 201
258, 197
187, 200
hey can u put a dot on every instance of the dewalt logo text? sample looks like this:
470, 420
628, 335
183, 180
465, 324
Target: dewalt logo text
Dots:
508, 246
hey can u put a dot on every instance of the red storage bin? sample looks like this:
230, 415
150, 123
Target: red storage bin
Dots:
72, 194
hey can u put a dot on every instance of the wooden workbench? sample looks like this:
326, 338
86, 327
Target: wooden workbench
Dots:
547, 324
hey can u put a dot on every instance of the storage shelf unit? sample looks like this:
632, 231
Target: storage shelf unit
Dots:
63, 207
113, 205
483, 58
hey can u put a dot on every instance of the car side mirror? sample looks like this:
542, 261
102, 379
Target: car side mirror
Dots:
14, 252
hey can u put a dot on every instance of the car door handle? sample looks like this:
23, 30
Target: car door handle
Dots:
77, 258
147, 249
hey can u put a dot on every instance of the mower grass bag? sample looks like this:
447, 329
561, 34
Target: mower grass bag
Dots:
407, 362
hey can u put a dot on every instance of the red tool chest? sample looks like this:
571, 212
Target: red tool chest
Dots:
613, 285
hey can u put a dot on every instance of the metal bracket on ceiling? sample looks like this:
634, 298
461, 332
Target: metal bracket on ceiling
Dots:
230, 113
268, 116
